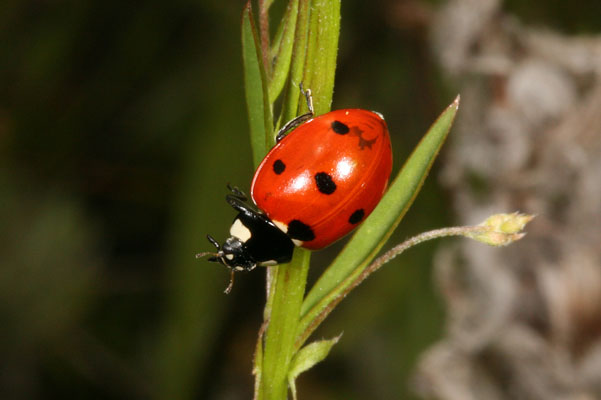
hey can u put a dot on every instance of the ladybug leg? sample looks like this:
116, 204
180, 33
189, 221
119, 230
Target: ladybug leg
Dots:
213, 242
239, 204
239, 201
308, 98
237, 192
292, 124
228, 289
301, 118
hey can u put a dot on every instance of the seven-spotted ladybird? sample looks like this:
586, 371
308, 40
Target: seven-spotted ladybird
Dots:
315, 185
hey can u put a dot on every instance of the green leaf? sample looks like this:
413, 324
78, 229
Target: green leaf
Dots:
373, 233
322, 49
255, 81
282, 57
299, 52
306, 358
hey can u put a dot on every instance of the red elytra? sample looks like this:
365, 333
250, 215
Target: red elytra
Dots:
326, 176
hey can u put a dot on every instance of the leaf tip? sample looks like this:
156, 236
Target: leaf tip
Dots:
456, 102
247, 9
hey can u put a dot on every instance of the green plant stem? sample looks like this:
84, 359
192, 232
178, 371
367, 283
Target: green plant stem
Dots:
320, 21
289, 289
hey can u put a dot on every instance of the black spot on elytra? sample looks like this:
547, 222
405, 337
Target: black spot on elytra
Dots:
299, 230
279, 166
324, 182
357, 216
340, 128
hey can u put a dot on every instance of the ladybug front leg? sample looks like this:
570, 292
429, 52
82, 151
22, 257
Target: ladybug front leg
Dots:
237, 192
300, 119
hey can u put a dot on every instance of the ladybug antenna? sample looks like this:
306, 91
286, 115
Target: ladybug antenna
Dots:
215, 256
207, 253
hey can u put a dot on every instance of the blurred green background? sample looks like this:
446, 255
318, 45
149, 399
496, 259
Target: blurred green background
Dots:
120, 125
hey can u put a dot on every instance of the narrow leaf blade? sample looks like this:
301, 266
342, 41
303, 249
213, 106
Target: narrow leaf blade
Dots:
299, 52
283, 54
307, 357
255, 81
322, 51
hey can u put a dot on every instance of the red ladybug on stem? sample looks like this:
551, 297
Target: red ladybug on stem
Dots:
315, 185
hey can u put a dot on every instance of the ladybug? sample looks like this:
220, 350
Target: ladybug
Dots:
316, 185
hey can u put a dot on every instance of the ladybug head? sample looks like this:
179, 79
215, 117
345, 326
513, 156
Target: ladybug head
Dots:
233, 254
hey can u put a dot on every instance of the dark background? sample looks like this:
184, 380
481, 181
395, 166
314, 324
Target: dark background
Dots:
120, 125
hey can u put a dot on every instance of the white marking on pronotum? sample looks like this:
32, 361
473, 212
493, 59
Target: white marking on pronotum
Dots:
239, 231
297, 243
229, 256
282, 226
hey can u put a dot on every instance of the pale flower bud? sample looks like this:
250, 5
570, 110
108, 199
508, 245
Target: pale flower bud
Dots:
501, 229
